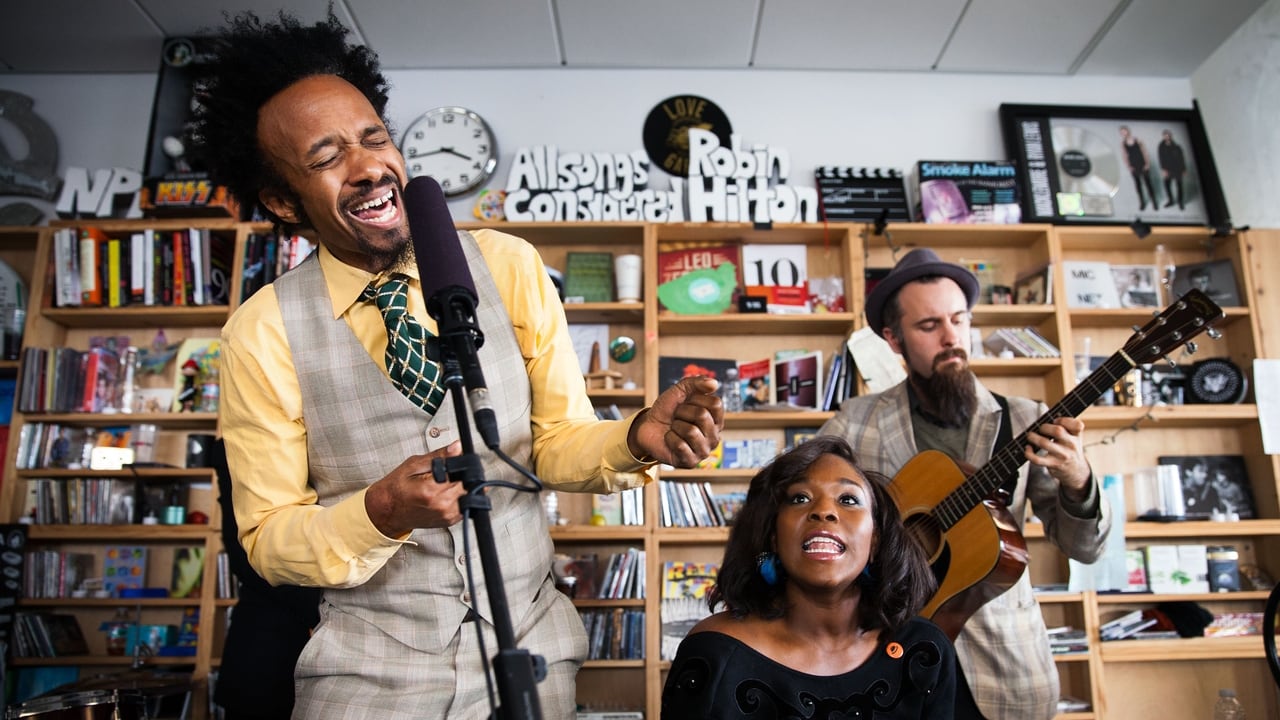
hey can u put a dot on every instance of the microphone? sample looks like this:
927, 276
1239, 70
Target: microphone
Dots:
450, 293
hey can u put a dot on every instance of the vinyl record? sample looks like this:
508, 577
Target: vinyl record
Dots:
666, 130
1086, 163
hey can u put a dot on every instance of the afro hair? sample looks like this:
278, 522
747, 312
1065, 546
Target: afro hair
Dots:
252, 61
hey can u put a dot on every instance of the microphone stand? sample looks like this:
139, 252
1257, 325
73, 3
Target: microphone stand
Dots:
514, 669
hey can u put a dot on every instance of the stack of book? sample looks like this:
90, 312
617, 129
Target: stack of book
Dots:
56, 573
1065, 640
150, 267
1234, 624
1126, 626
1069, 704
692, 504
1021, 341
620, 508
624, 576
227, 585
43, 634
267, 257
614, 633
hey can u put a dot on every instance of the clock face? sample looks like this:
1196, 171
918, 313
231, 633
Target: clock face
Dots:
454, 146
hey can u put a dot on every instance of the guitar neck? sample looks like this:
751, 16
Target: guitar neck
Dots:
1177, 324
1009, 458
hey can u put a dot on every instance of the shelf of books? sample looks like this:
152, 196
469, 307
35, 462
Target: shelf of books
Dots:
775, 313
1038, 342
765, 312
1195, 560
106, 489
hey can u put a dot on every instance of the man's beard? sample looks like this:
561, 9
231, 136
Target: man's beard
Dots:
398, 259
382, 257
949, 394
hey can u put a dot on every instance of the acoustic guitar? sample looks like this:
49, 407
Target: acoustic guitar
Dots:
974, 546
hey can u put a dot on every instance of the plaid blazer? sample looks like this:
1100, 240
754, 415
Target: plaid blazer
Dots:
1003, 649
398, 641
359, 428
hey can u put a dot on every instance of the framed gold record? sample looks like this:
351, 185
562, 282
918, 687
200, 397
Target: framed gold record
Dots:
1113, 165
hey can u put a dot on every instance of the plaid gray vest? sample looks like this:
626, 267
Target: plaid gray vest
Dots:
360, 427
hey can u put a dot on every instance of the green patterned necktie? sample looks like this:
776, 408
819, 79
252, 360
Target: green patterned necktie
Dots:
410, 370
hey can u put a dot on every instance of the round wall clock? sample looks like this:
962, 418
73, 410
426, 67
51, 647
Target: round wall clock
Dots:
453, 145
1216, 380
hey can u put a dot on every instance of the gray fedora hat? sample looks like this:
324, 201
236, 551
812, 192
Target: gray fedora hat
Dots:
919, 263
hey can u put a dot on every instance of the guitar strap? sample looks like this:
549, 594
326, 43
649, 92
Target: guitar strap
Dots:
1003, 438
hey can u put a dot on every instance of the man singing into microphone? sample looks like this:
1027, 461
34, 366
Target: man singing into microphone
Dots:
331, 430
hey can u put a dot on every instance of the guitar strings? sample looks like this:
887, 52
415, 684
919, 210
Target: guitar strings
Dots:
968, 494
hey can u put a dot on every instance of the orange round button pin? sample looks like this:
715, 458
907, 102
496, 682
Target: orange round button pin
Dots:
894, 649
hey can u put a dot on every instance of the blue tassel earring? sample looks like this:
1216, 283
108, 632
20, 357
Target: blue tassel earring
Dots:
866, 578
767, 564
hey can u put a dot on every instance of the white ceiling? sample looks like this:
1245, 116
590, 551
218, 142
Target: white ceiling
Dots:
1160, 38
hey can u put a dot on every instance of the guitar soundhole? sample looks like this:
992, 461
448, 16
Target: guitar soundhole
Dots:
925, 531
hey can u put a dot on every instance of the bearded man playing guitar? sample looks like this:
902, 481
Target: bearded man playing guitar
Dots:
923, 309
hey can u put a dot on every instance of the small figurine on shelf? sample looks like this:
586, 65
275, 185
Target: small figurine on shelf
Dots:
597, 378
152, 360
196, 367
187, 398
117, 631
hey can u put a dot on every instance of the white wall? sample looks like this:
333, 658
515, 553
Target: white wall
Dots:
876, 119
820, 118
1239, 92
101, 121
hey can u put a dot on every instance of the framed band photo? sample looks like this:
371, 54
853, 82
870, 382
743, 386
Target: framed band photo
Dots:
1213, 483
1215, 278
1136, 285
1111, 165
1034, 288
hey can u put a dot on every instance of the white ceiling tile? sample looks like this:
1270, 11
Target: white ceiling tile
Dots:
1024, 36
657, 33
66, 36
1166, 38
1132, 37
186, 19
471, 34
854, 34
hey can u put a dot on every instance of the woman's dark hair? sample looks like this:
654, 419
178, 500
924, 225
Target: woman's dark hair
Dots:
252, 61
901, 581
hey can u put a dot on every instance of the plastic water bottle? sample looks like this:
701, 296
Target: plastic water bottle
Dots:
731, 394
1228, 707
1167, 270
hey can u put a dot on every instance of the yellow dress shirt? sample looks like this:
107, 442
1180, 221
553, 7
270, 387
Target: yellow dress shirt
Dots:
292, 540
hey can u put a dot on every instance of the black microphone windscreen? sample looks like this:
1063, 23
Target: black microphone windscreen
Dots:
441, 261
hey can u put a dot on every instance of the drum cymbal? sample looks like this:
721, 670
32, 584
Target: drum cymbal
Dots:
149, 682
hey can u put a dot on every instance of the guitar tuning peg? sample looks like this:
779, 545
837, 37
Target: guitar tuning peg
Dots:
1192, 347
1172, 365
1213, 333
